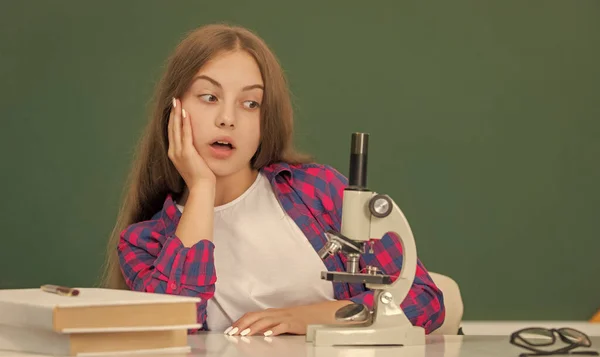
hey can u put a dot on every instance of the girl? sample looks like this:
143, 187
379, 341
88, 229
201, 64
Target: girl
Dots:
217, 190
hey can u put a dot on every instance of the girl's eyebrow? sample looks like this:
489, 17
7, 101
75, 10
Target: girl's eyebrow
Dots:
217, 84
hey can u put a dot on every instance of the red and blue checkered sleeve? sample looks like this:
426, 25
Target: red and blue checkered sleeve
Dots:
424, 304
153, 262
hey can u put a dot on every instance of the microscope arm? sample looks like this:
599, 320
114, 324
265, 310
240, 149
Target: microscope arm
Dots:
396, 223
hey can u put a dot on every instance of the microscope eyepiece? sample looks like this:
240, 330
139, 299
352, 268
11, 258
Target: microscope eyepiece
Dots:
357, 179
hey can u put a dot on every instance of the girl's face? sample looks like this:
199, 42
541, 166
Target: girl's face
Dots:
224, 102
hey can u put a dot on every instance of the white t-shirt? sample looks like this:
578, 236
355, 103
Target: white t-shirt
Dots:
262, 259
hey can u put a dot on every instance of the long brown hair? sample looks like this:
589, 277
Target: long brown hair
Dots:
153, 175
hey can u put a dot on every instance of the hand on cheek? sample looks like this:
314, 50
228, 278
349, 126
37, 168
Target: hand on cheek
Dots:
182, 152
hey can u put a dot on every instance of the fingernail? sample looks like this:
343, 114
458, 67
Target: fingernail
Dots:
228, 329
174, 103
245, 332
235, 329
183, 112
268, 333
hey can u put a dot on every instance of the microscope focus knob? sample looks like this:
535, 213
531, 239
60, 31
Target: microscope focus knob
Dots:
380, 206
330, 248
386, 297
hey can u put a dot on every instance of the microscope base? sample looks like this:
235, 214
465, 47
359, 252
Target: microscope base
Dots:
361, 334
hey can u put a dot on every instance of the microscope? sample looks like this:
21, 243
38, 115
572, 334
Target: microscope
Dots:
367, 215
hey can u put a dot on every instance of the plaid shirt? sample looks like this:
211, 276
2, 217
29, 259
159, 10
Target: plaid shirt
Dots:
153, 259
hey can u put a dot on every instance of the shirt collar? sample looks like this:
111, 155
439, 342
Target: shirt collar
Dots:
171, 214
273, 170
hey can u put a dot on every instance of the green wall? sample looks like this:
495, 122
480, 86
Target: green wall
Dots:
483, 120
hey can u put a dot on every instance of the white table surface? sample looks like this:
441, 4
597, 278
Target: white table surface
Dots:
213, 344
482, 338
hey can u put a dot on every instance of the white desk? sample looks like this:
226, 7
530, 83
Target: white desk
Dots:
216, 344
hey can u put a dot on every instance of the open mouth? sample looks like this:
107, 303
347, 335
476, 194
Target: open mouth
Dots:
222, 145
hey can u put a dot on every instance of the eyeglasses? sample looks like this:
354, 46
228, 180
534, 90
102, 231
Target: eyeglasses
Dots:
534, 338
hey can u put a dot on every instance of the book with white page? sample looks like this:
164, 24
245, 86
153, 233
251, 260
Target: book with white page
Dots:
97, 310
48, 342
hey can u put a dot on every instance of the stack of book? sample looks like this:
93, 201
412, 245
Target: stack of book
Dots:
95, 321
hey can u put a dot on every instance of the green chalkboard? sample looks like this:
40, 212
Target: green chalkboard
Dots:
483, 119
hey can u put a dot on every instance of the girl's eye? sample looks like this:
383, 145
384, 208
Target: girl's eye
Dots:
208, 98
250, 104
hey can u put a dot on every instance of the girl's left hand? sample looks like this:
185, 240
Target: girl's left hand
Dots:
294, 320
270, 322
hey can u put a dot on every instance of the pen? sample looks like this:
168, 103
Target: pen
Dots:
60, 290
